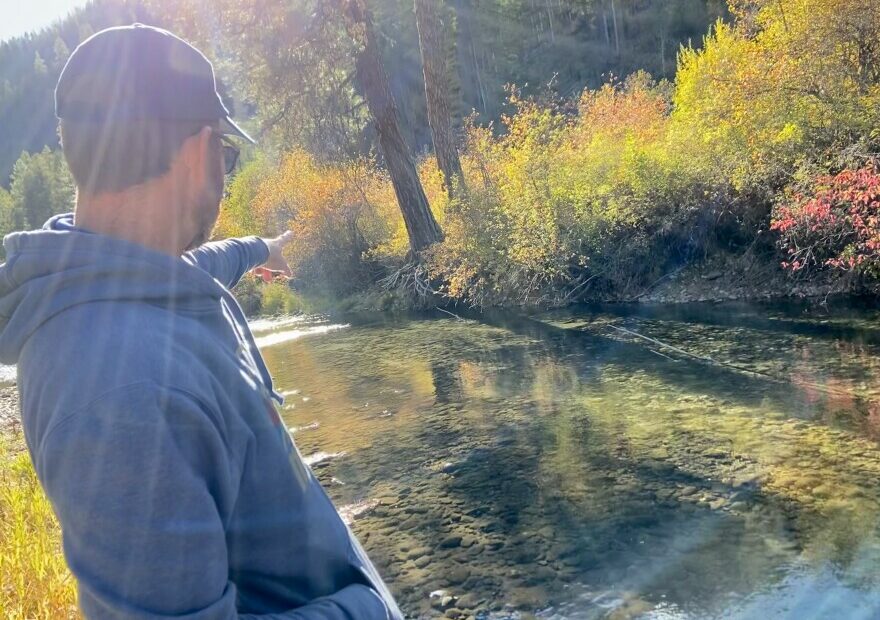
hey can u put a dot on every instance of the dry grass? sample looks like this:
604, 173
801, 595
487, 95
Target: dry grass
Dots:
34, 580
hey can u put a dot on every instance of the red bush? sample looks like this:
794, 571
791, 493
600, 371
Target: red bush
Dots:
836, 224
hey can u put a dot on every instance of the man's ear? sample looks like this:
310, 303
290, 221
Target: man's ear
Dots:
207, 158
195, 153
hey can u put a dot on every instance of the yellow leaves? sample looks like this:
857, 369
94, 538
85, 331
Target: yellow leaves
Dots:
787, 74
791, 132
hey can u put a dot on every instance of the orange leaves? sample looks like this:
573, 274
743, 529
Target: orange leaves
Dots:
337, 212
635, 109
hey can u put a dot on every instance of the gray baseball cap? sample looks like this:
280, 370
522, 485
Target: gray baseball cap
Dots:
140, 72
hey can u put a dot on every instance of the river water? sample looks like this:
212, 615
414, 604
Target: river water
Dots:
634, 462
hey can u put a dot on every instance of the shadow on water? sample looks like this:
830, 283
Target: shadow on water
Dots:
726, 383
521, 466
837, 319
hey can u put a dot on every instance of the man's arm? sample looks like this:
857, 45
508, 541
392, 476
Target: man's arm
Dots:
139, 480
228, 260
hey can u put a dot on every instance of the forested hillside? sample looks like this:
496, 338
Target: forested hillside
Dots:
559, 46
29, 68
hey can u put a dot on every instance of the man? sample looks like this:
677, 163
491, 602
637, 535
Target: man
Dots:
147, 408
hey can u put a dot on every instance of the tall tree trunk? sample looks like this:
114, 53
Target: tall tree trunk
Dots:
421, 226
616, 31
464, 15
607, 33
663, 53
432, 19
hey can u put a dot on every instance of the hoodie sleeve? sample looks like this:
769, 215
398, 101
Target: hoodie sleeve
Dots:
141, 480
229, 259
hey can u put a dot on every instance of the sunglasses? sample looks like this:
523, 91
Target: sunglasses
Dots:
230, 154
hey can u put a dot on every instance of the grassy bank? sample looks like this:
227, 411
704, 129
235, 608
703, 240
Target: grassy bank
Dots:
34, 580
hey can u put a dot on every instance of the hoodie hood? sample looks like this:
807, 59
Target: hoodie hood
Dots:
50, 270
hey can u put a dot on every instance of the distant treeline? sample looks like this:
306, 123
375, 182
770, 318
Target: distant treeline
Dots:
558, 46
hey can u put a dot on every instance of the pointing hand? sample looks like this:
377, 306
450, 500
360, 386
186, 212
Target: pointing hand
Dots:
276, 262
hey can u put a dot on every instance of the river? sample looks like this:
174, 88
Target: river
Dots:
678, 462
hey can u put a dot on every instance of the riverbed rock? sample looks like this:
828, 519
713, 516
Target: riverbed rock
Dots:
526, 598
417, 552
458, 574
468, 601
468, 541
719, 503
451, 542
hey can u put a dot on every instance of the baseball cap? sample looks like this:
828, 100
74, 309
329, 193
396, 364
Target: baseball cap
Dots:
140, 72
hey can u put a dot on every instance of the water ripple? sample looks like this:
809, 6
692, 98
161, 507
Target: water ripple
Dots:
267, 325
295, 334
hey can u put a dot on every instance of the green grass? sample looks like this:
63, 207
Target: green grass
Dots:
35, 582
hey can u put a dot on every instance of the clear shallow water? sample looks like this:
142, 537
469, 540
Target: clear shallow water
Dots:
7, 374
558, 467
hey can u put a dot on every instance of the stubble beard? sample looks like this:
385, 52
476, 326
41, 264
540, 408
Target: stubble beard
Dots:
204, 233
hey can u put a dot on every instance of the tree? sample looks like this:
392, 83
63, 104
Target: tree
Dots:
41, 187
61, 52
40, 67
291, 61
787, 77
294, 60
421, 226
5, 216
433, 20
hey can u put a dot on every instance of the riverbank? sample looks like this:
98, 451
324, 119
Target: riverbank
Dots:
741, 278
36, 580
604, 198
10, 418
737, 278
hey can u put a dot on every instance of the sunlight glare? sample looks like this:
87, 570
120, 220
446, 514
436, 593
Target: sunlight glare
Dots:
27, 17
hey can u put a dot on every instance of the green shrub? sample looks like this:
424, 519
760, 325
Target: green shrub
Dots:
277, 298
249, 294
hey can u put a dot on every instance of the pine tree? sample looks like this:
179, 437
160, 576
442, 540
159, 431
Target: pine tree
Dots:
433, 21
421, 226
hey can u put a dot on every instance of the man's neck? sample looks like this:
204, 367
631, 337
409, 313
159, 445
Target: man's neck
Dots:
140, 215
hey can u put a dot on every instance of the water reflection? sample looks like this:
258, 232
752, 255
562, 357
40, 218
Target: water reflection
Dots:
519, 466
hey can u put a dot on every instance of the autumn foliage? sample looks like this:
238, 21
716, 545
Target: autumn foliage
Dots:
766, 127
836, 225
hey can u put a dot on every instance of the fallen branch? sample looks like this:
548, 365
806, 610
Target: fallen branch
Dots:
452, 314
742, 369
